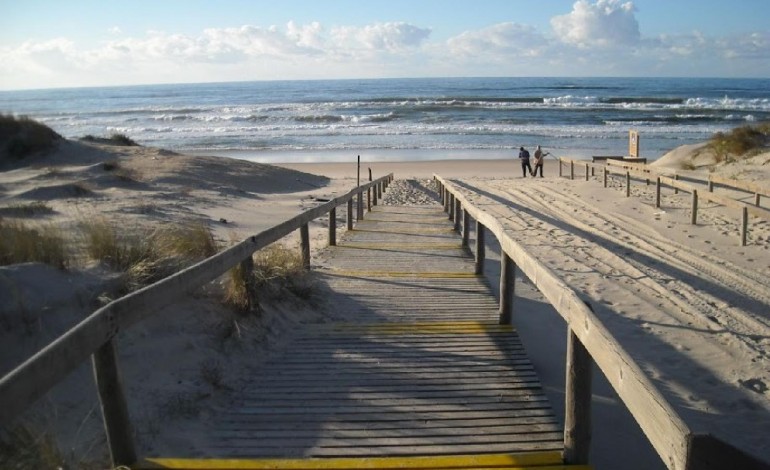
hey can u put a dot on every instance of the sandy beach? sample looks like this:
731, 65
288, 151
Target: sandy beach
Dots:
689, 303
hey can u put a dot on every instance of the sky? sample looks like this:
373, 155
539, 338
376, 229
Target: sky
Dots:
77, 43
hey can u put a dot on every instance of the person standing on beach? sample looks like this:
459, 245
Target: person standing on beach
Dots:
539, 157
525, 166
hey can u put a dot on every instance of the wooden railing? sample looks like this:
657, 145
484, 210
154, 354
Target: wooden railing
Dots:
636, 171
588, 338
95, 336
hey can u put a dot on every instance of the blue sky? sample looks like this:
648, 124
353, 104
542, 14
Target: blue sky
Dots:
49, 43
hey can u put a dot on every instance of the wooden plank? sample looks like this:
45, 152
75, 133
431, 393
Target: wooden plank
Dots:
454, 461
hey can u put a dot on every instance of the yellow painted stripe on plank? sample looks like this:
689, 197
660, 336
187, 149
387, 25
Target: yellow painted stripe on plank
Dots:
422, 328
401, 231
406, 246
431, 275
538, 460
427, 221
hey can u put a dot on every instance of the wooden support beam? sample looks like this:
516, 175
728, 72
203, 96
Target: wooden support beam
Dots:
586, 171
117, 423
507, 288
249, 281
657, 192
577, 413
304, 234
333, 226
604, 176
480, 249
452, 206
694, 208
360, 206
350, 214
628, 184
571, 170
458, 213
744, 225
466, 227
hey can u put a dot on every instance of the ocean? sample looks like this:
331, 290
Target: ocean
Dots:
421, 118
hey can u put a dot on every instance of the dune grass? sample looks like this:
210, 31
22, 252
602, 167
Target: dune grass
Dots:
146, 255
114, 139
22, 136
743, 141
277, 270
24, 243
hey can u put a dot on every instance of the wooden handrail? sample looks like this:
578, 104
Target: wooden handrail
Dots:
673, 440
34, 377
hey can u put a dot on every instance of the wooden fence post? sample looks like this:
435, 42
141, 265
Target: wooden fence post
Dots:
586, 171
480, 248
304, 234
466, 227
694, 210
369, 200
756, 199
117, 423
333, 226
744, 225
249, 282
560, 167
711, 185
604, 176
571, 170
451, 206
447, 196
676, 189
458, 213
657, 192
379, 190
507, 288
577, 410
350, 214
360, 206
628, 184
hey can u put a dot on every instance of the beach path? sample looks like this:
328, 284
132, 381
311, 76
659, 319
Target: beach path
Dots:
413, 369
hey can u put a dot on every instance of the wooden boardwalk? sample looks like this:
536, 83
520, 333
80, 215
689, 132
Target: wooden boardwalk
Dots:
417, 367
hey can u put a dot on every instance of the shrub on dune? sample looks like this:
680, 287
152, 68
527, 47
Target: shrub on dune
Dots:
739, 142
22, 136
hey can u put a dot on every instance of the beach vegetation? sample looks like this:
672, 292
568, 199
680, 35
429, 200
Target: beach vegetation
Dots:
276, 271
30, 209
21, 137
116, 138
24, 243
740, 142
146, 255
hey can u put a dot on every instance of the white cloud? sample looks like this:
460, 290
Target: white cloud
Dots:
504, 40
391, 37
604, 23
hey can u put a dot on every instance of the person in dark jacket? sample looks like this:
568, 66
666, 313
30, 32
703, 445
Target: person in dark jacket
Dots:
524, 158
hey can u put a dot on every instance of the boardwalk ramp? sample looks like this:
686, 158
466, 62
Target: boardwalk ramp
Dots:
415, 372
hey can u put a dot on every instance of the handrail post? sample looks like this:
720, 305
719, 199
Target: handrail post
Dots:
628, 184
360, 206
333, 226
374, 195
447, 197
657, 192
304, 234
466, 227
744, 225
577, 410
451, 206
694, 210
117, 423
369, 200
507, 288
350, 214
480, 248
458, 208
